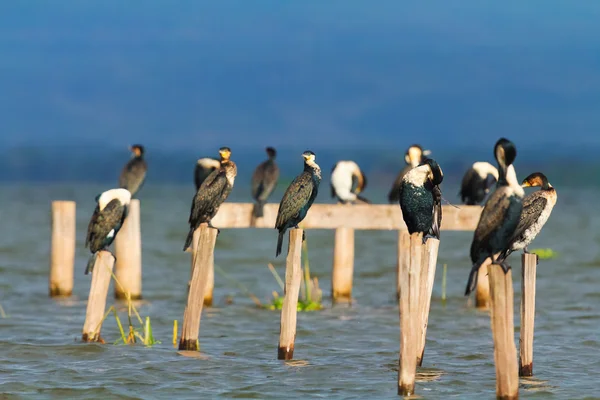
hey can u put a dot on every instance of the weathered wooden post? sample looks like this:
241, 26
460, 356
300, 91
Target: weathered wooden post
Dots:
343, 265
97, 299
210, 279
403, 251
289, 310
62, 256
505, 352
128, 251
528, 272
410, 271
204, 257
482, 292
428, 264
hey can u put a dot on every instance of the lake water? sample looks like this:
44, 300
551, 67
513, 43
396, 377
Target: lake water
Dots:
341, 352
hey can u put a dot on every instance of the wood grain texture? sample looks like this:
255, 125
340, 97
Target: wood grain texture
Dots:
128, 250
96, 304
289, 310
528, 276
62, 254
343, 265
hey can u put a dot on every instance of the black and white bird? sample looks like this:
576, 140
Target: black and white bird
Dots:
298, 198
537, 208
421, 199
347, 182
110, 213
500, 215
477, 181
204, 167
212, 193
264, 180
134, 173
414, 156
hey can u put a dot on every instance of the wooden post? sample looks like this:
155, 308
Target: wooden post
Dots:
403, 251
62, 256
210, 279
528, 271
482, 293
428, 264
289, 310
128, 251
97, 299
193, 310
410, 270
343, 265
505, 352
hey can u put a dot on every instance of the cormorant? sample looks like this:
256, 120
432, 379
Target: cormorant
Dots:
421, 199
204, 167
477, 182
414, 156
111, 210
500, 216
298, 197
347, 181
264, 181
211, 194
537, 208
133, 174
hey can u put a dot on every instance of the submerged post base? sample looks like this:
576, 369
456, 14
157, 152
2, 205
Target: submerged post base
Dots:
189, 344
284, 353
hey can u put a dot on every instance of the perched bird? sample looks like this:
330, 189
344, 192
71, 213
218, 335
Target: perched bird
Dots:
111, 210
204, 167
264, 181
414, 156
421, 199
537, 208
133, 174
347, 181
211, 194
500, 215
476, 182
298, 197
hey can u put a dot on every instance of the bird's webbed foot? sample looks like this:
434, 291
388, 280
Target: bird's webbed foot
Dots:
525, 251
212, 227
505, 266
303, 236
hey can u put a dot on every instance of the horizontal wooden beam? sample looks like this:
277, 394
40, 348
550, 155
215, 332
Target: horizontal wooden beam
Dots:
333, 216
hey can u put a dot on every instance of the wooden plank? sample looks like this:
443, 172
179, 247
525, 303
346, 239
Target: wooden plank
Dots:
289, 310
528, 271
428, 264
128, 251
62, 256
333, 216
343, 265
96, 304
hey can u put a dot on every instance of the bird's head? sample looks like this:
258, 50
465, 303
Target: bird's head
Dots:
505, 153
537, 179
308, 156
415, 155
271, 152
436, 176
225, 153
137, 150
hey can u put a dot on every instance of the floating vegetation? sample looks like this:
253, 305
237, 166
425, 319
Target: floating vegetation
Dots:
310, 293
545, 254
2, 313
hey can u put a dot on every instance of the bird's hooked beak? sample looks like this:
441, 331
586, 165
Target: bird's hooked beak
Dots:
308, 157
526, 184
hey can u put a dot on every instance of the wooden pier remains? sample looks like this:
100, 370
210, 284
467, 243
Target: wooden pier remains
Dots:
96, 304
193, 310
62, 248
128, 251
210, 278
528, 275
289, 310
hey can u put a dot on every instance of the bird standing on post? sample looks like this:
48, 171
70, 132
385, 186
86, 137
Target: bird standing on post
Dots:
421, 199
264, 181
204, 167
111, 210
537, 208
347, 181
476, 183
298, 197
414, 156
211, 194
500, 216
133, 174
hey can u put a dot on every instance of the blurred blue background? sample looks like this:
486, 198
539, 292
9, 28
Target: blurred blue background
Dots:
80, 81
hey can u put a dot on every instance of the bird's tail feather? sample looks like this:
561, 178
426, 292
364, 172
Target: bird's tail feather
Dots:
90, 265
362, 199
279, 243
258, 210
472, 282
188, 241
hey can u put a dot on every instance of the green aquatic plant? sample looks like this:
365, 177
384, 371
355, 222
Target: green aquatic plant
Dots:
545, 254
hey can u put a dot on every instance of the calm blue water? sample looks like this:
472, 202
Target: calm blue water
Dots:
341, 352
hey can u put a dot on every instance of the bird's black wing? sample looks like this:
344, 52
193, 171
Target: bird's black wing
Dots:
104, 221
133, 175
257, 180
333, 193
533, 206
295, 197
492, 216
209, 191
437, 211
394, 194
467, 183
265, 186
90, 231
